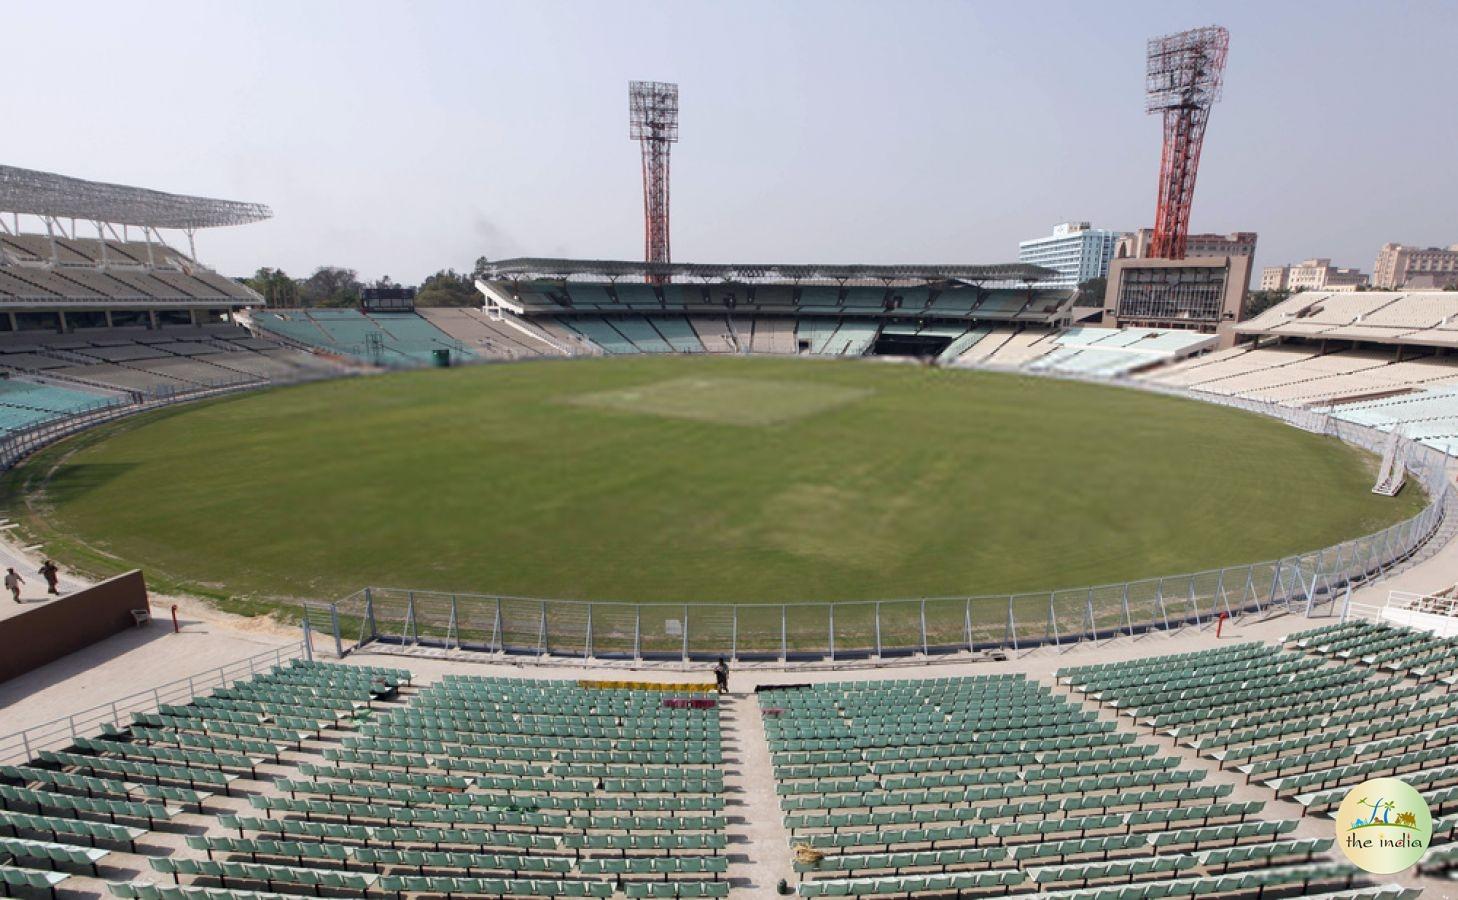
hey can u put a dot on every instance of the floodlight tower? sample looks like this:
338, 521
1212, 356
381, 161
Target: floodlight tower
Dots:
1182, 80
653, 123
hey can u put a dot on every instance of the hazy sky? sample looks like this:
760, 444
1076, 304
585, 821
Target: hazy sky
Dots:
401, 138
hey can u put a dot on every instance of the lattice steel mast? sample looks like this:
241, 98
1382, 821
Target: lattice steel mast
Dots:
653, 123
1183, 78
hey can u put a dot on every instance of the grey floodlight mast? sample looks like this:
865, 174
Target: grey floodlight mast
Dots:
653, 123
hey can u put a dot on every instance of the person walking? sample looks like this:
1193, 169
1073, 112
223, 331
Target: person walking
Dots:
721, 676
50, 572
13, 581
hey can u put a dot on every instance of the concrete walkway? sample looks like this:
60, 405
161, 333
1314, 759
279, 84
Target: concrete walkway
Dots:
27, 561
759, 845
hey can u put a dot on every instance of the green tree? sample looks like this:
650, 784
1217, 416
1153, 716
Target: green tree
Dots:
330, 286
1091, 292
1260, 301
446, 288
277, 288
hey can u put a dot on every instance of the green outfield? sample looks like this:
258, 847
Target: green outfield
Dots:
689, 479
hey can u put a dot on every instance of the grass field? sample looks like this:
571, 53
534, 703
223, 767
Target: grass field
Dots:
690, 479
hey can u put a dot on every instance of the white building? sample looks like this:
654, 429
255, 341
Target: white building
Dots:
1077, 251
1311, 275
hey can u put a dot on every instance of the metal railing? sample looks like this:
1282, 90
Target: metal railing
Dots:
1428, 604
1309, 584
21, 746
1423, 612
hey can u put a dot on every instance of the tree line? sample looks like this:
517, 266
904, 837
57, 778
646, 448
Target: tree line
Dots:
340, 287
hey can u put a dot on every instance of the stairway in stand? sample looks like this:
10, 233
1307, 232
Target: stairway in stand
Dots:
759, 845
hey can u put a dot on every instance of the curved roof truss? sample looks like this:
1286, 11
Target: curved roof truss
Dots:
30, 192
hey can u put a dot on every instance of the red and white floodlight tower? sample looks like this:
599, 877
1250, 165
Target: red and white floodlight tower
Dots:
1182, 80
653, 123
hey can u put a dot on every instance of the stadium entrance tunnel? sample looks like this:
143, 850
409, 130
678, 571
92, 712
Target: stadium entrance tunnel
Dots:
914, 345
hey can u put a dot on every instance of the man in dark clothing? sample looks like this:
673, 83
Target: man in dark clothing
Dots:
50, 573
721, 675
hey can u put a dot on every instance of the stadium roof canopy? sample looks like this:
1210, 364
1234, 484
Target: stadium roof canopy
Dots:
29, 192
535, 267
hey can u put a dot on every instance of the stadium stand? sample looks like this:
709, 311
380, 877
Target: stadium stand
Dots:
77, 270
24, 404
52, 378
1321, 349
716, 333
772, 336
1020, 348
1427, 317
353, 778
601, 334
1292, 722
1428, 415
487, 338
994, 785
389, 339
679, 334
1392, 370
1109, 353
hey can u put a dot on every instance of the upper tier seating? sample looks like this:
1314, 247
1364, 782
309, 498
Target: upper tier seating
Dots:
71, 270
1417, 317
623, 296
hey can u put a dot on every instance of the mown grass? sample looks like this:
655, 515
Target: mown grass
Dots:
688, 480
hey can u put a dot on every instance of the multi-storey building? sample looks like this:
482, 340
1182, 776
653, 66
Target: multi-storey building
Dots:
1237, 243
1076, 250
1399, 266
1311, 275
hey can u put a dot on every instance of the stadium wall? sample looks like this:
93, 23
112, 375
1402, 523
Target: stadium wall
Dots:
61, 627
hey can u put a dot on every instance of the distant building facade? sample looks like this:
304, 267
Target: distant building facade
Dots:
1202, 293
1311, 275
1237, 243
1429, 268
1275, 278
1076, 250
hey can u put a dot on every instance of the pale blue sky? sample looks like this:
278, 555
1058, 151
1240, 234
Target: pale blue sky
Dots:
400, 138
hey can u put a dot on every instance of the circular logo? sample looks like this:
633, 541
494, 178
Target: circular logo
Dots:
1383, 826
